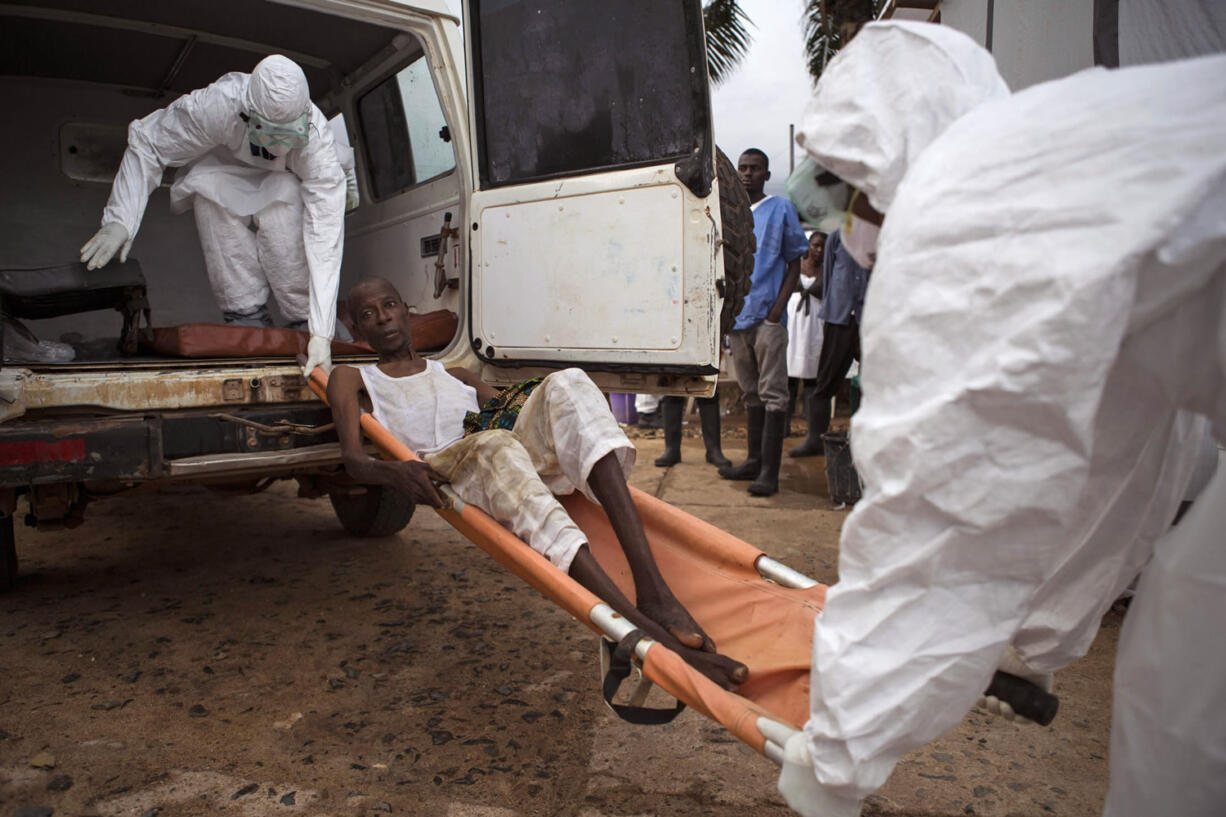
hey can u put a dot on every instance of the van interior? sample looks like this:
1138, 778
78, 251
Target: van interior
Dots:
74, 73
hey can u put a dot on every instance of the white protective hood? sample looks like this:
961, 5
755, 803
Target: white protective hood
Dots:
1043, 342
893, 90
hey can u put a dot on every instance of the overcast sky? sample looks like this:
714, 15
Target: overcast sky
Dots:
768, 91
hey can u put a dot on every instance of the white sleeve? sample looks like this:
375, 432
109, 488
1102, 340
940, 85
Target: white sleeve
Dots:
184, 130
323, 224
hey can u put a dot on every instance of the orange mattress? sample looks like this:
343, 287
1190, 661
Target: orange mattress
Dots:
431, 330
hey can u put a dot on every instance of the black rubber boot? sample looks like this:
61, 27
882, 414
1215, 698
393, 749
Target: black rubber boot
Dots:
817, 413
650, 419
671, 409
755, 416
767, 482
708, 412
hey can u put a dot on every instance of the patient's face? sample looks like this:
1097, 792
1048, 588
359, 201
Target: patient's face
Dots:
380, 316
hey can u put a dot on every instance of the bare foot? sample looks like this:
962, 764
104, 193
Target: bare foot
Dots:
665, 610
721, 669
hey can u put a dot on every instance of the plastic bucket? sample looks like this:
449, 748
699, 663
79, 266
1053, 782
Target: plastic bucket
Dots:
842, 481
623, 408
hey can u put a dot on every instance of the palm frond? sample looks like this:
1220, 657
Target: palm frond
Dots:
830, 24
727, 37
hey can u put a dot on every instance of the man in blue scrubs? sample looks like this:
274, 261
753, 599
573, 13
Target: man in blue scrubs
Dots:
759, 338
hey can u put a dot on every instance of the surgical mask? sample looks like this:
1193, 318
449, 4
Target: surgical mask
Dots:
860, 239
279, 137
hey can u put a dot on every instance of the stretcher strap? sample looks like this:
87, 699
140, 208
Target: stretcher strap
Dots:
619, 668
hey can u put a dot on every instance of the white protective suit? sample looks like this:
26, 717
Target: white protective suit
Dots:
1043, 341
295, 200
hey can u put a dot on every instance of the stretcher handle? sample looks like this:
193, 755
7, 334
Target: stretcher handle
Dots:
1027, 699
618, 659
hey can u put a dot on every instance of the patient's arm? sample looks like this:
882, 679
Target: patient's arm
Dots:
485, 392
413, 478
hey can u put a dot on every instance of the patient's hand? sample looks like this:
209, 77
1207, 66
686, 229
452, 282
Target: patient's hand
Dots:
416, 479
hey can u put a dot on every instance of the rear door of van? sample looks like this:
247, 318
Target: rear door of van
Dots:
594, 227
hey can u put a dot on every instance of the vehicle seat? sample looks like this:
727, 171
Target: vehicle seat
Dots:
48, 292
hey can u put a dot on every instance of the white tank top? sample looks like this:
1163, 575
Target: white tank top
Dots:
425, 411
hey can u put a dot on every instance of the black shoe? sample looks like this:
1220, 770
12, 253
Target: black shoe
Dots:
817, 412
767, 482
671, 409
755, 416
650, 419
708, 413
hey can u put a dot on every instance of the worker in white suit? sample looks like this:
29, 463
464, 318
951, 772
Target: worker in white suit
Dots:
1043, 348
266, 182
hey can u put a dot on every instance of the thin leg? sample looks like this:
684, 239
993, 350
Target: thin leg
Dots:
655, 599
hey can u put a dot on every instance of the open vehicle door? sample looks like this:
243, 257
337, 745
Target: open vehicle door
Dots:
595, 227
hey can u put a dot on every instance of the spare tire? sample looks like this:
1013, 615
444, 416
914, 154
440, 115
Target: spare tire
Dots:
372, 510
739, 243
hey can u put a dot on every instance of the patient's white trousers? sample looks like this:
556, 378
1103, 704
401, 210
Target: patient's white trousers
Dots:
564, 428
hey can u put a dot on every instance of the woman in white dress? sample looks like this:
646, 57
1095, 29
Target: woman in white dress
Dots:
804, 327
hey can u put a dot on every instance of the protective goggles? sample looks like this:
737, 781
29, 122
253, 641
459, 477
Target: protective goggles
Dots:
268, 134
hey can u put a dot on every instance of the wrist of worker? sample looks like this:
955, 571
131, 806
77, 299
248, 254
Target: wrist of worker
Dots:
800, 788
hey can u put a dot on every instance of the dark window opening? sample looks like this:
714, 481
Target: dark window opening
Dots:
403, 131
565, 88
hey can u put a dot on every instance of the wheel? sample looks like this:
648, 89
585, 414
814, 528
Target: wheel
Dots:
372, 510
8, 555
739, 242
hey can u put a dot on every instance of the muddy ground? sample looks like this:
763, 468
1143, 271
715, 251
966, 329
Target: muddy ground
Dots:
195, 653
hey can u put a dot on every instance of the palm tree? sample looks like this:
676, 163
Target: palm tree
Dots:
830, 24
727, 37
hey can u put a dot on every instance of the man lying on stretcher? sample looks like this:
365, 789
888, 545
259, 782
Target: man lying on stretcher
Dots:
564, 439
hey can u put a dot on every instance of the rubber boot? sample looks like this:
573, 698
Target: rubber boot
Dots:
708, 412
767, 482
755, 416
817, 413
671, 409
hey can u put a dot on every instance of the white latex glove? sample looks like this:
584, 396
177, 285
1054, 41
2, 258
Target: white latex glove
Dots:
1013, 664
319, 353
800, 789
99, 250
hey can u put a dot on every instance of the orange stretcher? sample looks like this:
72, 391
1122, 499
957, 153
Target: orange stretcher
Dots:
758, 611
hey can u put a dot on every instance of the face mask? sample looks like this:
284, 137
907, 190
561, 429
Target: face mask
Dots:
279, 137
860, 239
819, 197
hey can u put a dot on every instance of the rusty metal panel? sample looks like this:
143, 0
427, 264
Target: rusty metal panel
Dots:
77, 451
150, 389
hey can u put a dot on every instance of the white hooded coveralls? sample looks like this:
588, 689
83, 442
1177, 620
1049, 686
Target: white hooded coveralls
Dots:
297, 201
1043, 342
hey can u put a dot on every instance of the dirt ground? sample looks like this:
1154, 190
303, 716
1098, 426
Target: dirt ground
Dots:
194, 652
